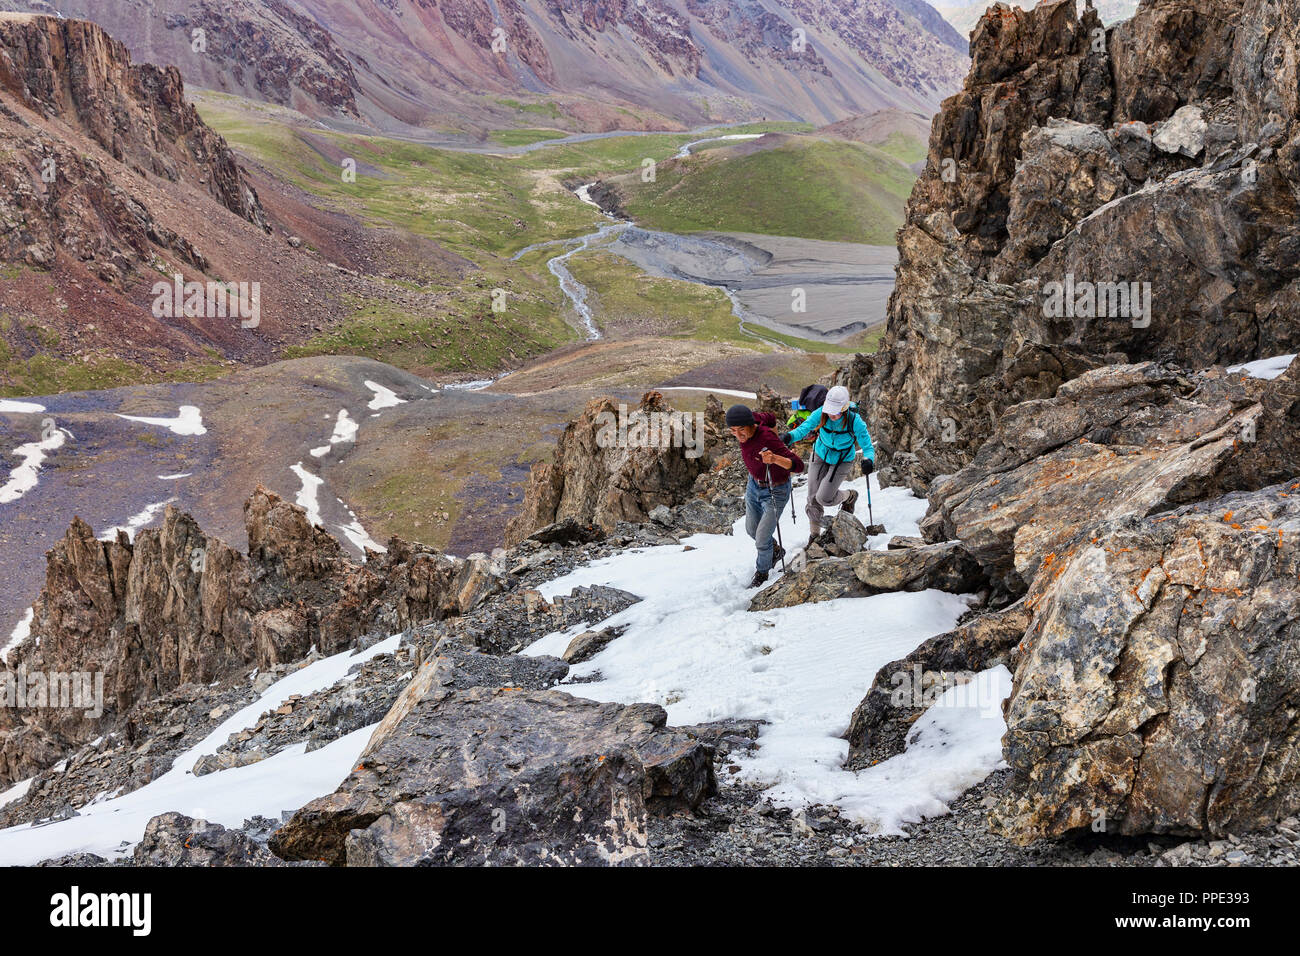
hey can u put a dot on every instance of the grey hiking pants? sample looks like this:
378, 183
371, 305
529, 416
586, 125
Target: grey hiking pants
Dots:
824, 488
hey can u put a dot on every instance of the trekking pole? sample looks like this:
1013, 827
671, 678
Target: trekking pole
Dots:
871, 518
767, 476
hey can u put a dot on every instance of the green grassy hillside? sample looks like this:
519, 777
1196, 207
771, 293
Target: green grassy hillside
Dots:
805, 187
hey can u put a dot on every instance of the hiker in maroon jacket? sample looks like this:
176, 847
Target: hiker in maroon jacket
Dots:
769, 463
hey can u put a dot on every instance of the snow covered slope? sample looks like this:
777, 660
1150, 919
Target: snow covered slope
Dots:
691, 645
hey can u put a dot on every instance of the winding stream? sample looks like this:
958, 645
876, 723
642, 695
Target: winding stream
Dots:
657, 253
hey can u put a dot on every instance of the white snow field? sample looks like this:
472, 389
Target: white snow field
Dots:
188, 421
20, 408
136, 522
110, 826
345, 430
384, 397
693, 646
26, 476
1265, 367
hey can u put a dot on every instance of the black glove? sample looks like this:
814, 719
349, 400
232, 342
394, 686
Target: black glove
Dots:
868, 466
785, 439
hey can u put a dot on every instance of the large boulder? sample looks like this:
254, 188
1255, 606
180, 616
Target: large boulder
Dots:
823, 580
946, 566
1160, 676
502, 775
173, 839
613, 464
1116, 441
904, 689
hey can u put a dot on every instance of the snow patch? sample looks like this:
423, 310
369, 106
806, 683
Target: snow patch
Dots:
20, 408
189, 421
25, 477
136, 522
19, 635
716, 391
307, 495
358, 536
384, 397
16, 792
345, 430
1266, 367
285, 781
693, 646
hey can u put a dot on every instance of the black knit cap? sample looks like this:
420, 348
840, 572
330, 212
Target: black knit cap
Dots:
739, 415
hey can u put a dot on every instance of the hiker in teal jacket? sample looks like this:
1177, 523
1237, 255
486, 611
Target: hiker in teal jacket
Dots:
840, 432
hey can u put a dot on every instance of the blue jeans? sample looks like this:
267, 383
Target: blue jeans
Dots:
763, 506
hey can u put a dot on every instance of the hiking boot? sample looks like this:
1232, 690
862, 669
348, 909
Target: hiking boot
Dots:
849, 501
778, 553
759, 578
813, 533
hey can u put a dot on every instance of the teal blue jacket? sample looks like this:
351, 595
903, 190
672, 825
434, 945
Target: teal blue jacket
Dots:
836, 439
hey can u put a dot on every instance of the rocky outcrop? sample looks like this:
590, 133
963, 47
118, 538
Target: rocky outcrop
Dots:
178, 607
523, 616
502, 775
173, 839
1127, 440
264, 49
614, 464
904, 689
946, 567
1160, 677
1154, 582
65, 84
73, 71
1093, 196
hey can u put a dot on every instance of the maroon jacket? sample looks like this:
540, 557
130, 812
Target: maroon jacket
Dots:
764, 437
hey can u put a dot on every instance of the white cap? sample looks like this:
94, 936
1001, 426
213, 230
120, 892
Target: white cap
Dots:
837, 399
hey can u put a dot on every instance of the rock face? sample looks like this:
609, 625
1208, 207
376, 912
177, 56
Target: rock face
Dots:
1104, 213
610, 467
903, 690
1161, 676
78, 82
1152, 636
74, 71
1077, 161
177, 607
502, 775
264, 49
411, 61
1116, 441
173, 839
